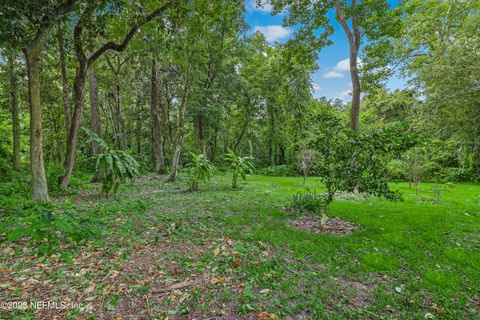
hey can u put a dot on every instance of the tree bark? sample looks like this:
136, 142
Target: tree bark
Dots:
354, 39
33, 56
63, 75
157, 133
94, 115
14, 110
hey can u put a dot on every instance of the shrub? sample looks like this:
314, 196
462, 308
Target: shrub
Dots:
241, 166
353, 161
283, 170
310, 201
40, 225
456, 174
116, 165
200, 169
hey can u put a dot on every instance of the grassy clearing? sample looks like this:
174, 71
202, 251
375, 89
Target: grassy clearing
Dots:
218, 253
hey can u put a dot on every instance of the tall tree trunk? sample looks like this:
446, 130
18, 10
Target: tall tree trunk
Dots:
63, 75
32, 56
271, 138
94, 115
157, 133
354, 40
181, 128
356, 90
78, 90
14, 109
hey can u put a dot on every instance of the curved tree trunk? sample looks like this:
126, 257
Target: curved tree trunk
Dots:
14, 109
83, 64
32, 56
78, 90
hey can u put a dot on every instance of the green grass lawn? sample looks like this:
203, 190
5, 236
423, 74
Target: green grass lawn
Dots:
232, 254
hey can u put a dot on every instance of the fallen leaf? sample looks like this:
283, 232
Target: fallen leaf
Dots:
90, 289
216, 251
264, 291
236, 262
263, 315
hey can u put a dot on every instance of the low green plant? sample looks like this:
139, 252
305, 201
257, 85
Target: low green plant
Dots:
241, 166
46, 228
115, 165
284, 170
200, 169
310, 202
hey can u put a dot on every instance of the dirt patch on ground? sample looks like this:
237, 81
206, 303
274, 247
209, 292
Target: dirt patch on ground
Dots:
335, 226
357, 293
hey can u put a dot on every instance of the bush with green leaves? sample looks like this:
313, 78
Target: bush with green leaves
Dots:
241, 166
46, 228
115, 165
310, 202
199, 169
353, 161
284, 170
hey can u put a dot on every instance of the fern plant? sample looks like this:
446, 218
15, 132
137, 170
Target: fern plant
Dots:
241, 166
200, 169
115, 165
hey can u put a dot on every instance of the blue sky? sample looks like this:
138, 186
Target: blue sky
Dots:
332, 78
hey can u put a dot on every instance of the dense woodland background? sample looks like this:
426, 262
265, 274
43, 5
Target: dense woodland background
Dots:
160, 80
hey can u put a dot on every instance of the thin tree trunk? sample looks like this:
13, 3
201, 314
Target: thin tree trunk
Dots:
94, 115
157, 133
354, 39
63, 74
271, 138
181, 129
32, 56
14, 109
78, 87
356, 90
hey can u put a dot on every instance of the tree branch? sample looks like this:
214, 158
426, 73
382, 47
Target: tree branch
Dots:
123, 45
343, 23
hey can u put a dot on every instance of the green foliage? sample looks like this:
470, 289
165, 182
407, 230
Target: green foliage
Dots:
47, 229
310, 202
115, 165
284, 170
356, 161
200, 170
241, 166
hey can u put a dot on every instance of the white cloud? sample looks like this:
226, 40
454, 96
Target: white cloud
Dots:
273, 32
345, 94
316, 88
265, 6
342, 67
332, 74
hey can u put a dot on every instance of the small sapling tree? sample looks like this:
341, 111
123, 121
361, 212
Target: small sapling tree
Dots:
306, 161
348, 160
200, 169
241, 166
